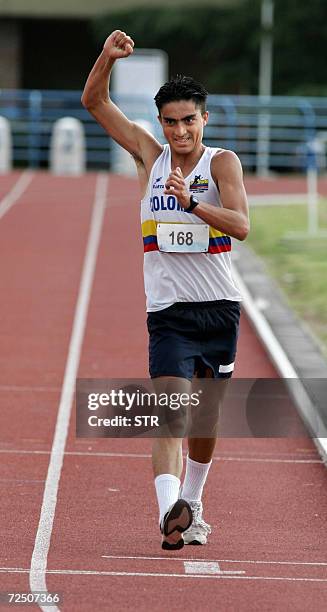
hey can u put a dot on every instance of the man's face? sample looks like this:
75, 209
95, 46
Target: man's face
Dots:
182, 123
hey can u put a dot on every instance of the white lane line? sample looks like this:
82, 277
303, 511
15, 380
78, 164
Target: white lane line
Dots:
16, 192
19, 570
262, 460
21, 480
207, 567
277, 199
147, 456
240, 561
201, 567
241, 459
43, 536
239, 454
23, 452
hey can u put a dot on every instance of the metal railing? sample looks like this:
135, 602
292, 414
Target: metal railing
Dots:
32, 115
269, 134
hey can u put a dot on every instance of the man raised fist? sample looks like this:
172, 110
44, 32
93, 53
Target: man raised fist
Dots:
118, 45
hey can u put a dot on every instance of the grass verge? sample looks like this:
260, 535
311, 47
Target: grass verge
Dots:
299, 265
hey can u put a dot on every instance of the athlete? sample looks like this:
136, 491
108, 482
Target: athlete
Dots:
192, 302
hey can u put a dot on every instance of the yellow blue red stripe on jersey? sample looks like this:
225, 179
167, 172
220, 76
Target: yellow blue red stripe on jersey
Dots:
218, 242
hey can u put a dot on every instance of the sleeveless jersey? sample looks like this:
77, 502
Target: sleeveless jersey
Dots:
183, 277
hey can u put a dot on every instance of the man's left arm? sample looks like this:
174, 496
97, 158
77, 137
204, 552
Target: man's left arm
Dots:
233, 217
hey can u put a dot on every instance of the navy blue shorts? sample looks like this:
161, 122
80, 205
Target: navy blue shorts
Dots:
189, 337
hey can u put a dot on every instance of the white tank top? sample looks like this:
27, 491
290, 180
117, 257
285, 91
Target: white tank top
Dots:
183, 277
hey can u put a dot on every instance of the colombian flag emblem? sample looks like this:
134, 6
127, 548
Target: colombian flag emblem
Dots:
199, 184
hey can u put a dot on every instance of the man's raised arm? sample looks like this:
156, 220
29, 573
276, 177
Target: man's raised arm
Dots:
96, 99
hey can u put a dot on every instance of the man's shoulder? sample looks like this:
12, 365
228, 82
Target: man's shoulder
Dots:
224, 158
222, 155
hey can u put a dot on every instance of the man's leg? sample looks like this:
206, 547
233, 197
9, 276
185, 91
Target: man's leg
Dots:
201, 449
175, 515
167, 456
198, 463
200, 452
167, 465
167, 461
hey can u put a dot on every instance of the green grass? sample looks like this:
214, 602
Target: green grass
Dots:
299, 266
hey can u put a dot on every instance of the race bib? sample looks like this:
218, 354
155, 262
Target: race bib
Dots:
183, 237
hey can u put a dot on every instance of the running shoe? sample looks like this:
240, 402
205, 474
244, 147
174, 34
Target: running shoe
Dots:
178, 518
199, 530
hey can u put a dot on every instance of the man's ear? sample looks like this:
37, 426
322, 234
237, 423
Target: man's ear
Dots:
205, 117
160, 119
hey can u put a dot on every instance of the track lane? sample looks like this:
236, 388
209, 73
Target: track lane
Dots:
42, 247
117, 522
94, 511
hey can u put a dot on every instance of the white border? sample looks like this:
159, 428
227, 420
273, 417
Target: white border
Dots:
283, 365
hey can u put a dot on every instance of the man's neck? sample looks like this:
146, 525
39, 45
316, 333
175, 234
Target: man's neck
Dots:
186, 162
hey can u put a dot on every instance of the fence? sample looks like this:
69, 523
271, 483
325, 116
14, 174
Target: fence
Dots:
268, 134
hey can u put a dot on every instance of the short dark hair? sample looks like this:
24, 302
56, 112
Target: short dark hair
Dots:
181, 88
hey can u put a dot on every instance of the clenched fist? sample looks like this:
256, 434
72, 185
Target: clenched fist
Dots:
175, 185
118, 45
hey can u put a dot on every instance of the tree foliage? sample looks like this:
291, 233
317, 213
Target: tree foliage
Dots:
300, 42
220, 46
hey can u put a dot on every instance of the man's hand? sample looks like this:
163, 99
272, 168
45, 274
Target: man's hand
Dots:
175, 185
118, 45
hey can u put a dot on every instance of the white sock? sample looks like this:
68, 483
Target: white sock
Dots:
194, 481
167, 489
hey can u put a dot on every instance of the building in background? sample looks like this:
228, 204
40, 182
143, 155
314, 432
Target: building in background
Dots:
48, 44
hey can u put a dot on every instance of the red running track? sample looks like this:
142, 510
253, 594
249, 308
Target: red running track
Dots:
266, 499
